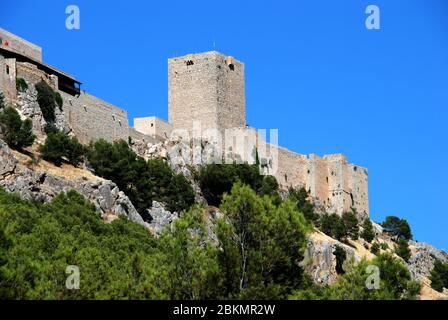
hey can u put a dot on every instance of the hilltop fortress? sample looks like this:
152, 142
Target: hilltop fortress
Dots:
206, 89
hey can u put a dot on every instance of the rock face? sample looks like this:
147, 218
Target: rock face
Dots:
422, 260
28, 107
320, 261
43, 187
179, 156
160, 218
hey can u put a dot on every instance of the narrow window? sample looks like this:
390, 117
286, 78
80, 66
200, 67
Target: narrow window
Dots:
190, 63
7, 69
231, 66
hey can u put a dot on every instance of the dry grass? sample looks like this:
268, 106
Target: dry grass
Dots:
65, 171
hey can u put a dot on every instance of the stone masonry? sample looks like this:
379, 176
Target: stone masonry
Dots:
206, 89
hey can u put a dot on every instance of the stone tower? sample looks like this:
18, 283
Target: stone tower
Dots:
206, 88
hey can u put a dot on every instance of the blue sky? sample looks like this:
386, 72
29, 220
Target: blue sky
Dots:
312, 70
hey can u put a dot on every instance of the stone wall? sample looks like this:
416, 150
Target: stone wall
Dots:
12, 42
207, 88
154, 127
8, 78
93, 119
33, 75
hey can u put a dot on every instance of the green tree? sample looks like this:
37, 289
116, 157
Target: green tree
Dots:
2, 100
262, 245
217, 179
368, 233
334, 226
59, 146
375, 248
351, 224
439, 276
341, 256
397, 227
402, 249
301, 196
18, 134
21, 85
142, 181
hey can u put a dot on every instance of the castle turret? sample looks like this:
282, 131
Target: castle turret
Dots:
207, 88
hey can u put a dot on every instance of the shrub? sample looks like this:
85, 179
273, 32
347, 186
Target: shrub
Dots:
217, 179
367, 233
18, 134
375, 249
142, 181
333, 226
2, 100
59, 146
384, 246
439, 276
351, 224
48, 99
261, 245
301, 197
397, 227
341, 256
402, 249
21, 85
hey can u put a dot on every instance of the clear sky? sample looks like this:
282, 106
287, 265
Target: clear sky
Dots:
312, 70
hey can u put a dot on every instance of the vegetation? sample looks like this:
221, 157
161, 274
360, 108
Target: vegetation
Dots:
217, 179
375, 248
367, 233
398, 228
439, 276
341, 256
402, 249
17, 134
2, 101
301, 197
59, 146
351, 224
394, 283
261, 246
48, 100
142, 181
333, 225
21, 85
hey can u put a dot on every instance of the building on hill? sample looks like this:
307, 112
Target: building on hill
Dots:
206, 96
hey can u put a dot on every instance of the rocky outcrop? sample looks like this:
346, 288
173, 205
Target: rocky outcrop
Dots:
43, 187
160, 218
422, 260
28, 107
179, 156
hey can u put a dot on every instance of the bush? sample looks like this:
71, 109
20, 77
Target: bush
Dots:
142, 181
341, 256
333, 226
59, 146
397, 227
402, 249
21, 85
367, 233
301, 197
384, 246
18, 134
375, 249
351, 224
261, 246
2, 100
439, 276
48, 99
217, 179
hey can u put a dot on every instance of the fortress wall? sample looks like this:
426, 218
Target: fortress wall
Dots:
136, 135
8, 81
338, 199
204, 88
318, 182
153, 126
34, 75
358, 183
92, 118
20, 45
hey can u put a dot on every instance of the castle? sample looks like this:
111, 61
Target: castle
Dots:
206, 88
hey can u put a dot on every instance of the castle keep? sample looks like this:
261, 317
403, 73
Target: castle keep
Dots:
206, 89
